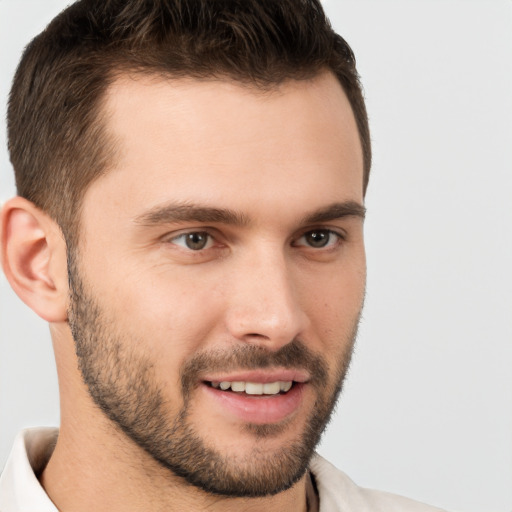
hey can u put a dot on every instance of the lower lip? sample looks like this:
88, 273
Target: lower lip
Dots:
260, 409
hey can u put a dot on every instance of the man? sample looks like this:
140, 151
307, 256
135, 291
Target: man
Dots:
191, 180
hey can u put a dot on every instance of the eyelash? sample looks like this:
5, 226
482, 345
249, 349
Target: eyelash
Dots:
184, 236
339, 238
210, 239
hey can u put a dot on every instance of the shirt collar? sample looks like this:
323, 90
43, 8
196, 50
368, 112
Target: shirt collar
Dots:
20, 490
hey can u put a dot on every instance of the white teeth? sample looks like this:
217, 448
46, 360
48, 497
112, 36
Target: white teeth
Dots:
271, 388
238, 386
285, 386
254, 388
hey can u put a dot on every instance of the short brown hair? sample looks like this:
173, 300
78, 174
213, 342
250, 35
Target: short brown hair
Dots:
57, 141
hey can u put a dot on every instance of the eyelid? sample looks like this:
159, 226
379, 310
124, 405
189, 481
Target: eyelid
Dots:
170, 238
339, 233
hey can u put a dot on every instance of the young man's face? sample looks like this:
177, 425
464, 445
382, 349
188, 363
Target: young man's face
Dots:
220, 274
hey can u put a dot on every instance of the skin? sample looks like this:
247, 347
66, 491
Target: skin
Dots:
274, 159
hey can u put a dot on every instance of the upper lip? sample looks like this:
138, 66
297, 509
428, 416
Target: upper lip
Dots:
263, 376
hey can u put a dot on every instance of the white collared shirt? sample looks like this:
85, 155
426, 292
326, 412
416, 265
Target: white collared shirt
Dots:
20, 490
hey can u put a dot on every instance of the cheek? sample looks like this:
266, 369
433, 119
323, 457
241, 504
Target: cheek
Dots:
336, 296
171, 315
334, 304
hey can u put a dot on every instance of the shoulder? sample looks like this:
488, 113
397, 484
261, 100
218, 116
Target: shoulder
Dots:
338, 492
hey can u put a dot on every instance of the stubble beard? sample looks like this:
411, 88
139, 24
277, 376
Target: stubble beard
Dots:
122, 384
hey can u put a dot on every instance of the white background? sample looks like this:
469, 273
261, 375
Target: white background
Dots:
427, 410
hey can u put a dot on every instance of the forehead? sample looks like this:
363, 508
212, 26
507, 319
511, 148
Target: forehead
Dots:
204, 140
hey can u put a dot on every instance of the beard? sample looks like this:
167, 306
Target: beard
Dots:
122, 383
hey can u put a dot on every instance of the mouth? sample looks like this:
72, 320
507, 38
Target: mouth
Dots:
278, 387
257, 397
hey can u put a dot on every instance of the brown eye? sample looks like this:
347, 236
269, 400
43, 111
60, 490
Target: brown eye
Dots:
195, 240
318, 238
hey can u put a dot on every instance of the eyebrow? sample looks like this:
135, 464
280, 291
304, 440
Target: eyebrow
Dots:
172, 213
336, 211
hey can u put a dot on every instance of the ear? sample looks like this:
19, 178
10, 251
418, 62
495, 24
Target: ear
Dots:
33, 254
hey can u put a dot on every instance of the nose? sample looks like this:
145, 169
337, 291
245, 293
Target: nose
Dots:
264, 305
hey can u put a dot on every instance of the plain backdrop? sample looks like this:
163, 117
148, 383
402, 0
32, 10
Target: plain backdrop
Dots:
427, 409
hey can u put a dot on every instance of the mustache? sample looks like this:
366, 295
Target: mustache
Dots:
294, 355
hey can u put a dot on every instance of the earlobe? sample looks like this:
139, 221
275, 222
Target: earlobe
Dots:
33, 255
